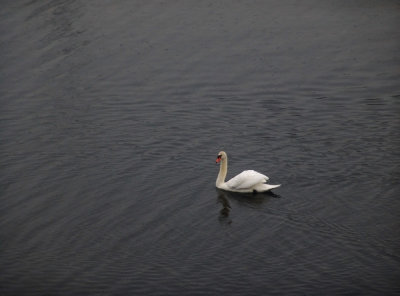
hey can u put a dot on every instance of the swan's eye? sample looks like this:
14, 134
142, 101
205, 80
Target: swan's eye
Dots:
219, 156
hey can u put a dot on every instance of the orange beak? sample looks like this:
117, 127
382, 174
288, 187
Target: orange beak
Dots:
218, 159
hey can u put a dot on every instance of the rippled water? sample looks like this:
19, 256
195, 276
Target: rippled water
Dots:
112, 114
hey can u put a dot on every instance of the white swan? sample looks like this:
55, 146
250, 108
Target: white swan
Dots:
246, 181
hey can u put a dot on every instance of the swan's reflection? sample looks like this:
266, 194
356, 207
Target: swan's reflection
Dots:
226, 207
253, 200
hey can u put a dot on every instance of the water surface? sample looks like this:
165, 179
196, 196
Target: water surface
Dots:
113, 112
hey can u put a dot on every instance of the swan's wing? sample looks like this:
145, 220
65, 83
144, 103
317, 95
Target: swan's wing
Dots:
246, 179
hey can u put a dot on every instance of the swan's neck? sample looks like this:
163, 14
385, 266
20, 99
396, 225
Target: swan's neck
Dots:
223, 168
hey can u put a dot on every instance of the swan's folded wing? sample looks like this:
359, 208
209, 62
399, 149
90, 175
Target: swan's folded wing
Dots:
246, 179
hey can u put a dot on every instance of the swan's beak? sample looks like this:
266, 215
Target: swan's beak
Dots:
218, 159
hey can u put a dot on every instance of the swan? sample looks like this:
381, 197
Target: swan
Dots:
246, 181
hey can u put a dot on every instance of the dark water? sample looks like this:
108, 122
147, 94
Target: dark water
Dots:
112, 114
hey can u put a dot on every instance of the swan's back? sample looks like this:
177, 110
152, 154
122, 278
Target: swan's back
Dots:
246, 180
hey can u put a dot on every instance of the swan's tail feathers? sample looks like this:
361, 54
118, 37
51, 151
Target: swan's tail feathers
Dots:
272, 186
265, 187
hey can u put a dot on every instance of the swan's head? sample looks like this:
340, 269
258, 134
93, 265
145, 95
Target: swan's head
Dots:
221, 156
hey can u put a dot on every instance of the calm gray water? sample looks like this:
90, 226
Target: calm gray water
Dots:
112, 114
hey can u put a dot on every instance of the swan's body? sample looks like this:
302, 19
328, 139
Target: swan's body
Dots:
246, 181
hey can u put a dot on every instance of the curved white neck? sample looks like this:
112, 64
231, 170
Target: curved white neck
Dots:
223, 169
